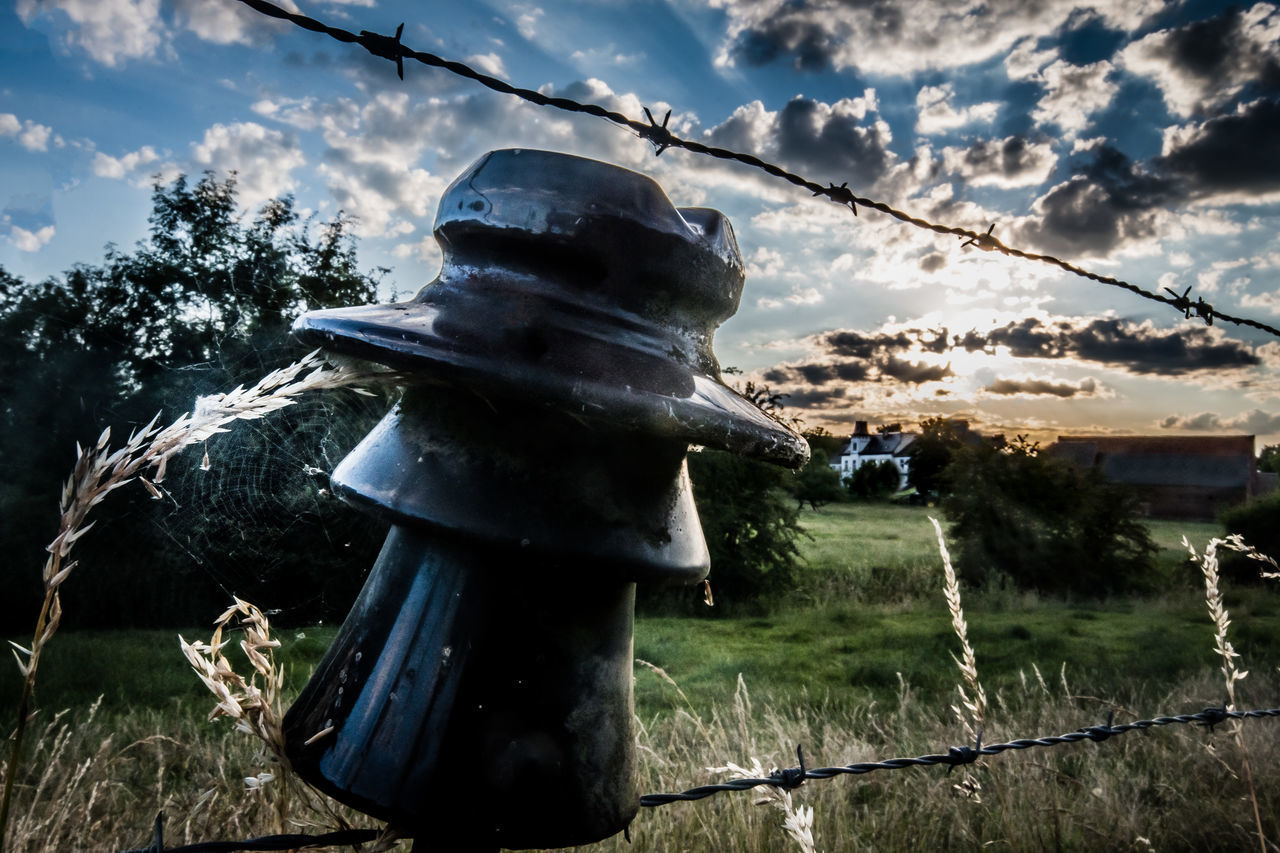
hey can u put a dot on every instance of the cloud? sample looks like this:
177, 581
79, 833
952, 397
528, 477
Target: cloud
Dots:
110, 31
133, 164
1268, 300
830, 139
1005, 163
937, 114
899, 37
226, 23
1204, 64
527, 19
1041, 388
1111, 203
1075, 93
879, 357
376, 149
262, 158
1137, 348
30, 241
1230, 158
29, 134
490, 63
1256, 422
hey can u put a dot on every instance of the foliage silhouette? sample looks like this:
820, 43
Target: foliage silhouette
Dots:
874, 480
1043, 524
203, 304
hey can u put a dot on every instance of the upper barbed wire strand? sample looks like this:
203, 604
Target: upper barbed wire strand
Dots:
390, 48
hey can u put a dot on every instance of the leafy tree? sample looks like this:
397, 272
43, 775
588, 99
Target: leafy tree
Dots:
1259, 523
874, 480
931, 452
1269, 459
203, 304
825, 444
750, 517
750, 521
888, 429
817, 483
1042, 523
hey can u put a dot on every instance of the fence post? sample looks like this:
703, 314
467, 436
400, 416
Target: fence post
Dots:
556, 373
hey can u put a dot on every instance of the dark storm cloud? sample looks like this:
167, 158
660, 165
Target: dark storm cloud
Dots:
816, 374
812, 39
830, 141
858, 345
1237, 153
1207, 48
1010, 162
913, 372
1109, 202
937, 344
806, 40
1256, 422
1041, 388
815, 398
811, 135
1218, 56
852, 371
933, 262
1138, 349
875, 357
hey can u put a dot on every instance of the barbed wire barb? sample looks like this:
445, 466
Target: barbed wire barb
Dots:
662, 138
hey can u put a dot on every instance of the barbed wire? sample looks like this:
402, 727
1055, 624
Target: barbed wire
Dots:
789, 778
955, 756
662, 138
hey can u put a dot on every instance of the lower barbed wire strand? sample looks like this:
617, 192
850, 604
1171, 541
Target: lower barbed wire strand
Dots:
963, 755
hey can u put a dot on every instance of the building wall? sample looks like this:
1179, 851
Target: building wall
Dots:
1176, 477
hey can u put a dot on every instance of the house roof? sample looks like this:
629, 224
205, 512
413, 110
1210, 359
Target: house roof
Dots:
889, 444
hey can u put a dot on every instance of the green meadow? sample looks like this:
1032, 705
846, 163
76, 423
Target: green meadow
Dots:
855, 664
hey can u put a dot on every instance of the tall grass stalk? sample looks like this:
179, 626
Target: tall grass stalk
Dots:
1231, 673
100, 470
976, 704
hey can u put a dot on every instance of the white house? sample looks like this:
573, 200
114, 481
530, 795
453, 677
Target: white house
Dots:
865, 448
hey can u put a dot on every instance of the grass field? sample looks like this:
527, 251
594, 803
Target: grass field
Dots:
856, 665
868, 607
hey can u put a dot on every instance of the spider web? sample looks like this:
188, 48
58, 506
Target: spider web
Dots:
260, 521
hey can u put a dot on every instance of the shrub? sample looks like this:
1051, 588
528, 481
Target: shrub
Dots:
817, 483
1259, 523
750, 520
874, 480
1044, 524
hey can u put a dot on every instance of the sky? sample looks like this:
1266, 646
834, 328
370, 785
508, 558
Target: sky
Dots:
1137, 138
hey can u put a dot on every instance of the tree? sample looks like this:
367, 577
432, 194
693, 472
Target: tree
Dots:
203, 304
817, 483
750, 521
1042, 523
1259, 523
874, 480
824, 444
750, 514
931, 452
1269, 459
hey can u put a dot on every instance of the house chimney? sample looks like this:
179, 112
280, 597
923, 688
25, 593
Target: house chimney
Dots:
860, 428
